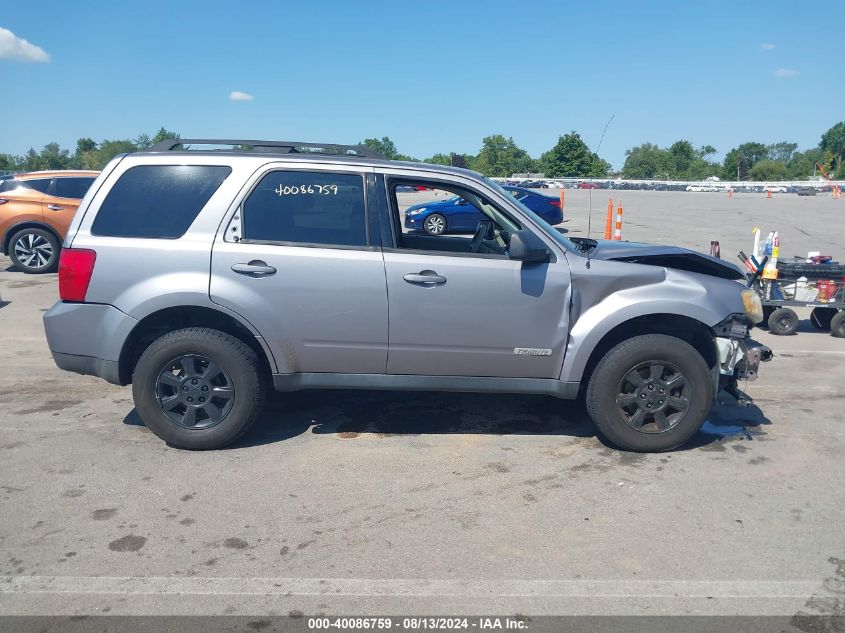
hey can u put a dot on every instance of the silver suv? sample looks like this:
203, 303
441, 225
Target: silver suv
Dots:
203, 278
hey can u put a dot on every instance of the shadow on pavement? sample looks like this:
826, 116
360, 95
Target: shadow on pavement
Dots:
352, 413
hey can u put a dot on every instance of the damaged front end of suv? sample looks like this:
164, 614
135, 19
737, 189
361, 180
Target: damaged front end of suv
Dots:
696, 297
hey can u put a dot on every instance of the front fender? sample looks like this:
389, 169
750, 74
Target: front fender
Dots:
611, 293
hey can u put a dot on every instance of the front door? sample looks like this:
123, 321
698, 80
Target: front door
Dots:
470, 310
297, 262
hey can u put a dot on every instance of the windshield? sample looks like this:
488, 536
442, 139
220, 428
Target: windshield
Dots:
550, 230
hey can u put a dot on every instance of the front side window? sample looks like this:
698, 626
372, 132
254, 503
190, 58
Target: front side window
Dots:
157, 201
71, 187
441, 217
305, 207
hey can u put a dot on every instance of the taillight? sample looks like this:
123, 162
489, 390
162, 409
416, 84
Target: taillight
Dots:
76, 265
554, 203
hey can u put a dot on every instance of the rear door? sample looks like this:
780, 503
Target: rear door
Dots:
298, 260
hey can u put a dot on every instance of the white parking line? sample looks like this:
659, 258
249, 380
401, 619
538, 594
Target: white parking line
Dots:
403, 587
809, 352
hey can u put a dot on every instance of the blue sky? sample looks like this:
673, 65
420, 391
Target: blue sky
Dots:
434, 76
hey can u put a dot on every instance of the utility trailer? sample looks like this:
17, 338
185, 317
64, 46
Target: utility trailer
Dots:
801, 284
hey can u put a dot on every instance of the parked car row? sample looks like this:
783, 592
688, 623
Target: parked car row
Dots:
36, 210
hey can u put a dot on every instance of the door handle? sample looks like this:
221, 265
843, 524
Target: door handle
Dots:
54, 207
426, 278
255, 268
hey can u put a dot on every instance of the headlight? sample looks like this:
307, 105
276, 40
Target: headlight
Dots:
753, 306
416, 211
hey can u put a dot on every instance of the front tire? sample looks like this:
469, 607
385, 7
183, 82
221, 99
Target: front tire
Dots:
650, 393
198, 388
783, 322
35, 251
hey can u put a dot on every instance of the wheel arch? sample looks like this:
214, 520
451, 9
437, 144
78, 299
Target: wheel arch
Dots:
28, 224
168, 319
686, 328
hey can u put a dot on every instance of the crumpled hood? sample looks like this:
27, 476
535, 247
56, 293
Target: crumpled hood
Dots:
667, 257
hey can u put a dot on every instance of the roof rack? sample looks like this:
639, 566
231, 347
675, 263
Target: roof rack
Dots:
281, 147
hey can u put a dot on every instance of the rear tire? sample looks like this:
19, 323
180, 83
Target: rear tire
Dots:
821, 318
34, 251
837, 325
618, 406
783, 322
196, 364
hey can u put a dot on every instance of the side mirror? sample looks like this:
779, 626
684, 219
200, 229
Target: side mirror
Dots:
461, 201
527, 247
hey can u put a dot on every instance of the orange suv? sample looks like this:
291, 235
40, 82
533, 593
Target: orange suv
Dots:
36, 210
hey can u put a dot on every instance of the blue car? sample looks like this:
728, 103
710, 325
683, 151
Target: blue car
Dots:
456, 215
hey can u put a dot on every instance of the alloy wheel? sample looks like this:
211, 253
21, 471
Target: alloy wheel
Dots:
33, 250
653, 397
435, 225
194, 392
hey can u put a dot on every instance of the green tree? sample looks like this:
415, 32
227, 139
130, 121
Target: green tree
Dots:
646, 161
741, 159
706, 150
439, 159
500, 156
9, 163
803, 164
106, 151
83, 146
454, 159
571, 157
682, 154
833, 141
54, 157
386, 148
383, 146
782, 152
32, 161
163, 134
767, 170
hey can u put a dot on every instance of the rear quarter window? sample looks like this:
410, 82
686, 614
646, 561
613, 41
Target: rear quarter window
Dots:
157, 201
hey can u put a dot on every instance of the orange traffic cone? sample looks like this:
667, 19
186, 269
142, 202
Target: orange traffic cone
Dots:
769, 193
608, 226
730, 193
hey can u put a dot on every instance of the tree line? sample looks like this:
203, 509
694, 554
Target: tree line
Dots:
501, 156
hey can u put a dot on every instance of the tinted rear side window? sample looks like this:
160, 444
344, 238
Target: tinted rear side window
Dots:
39, 184
157, 200
71, 187
307, 208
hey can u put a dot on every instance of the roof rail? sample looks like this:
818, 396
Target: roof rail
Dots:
282, 147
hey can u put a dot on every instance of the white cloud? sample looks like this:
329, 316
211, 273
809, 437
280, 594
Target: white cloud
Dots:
766, 46
786, 72
237, 95
18, 49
